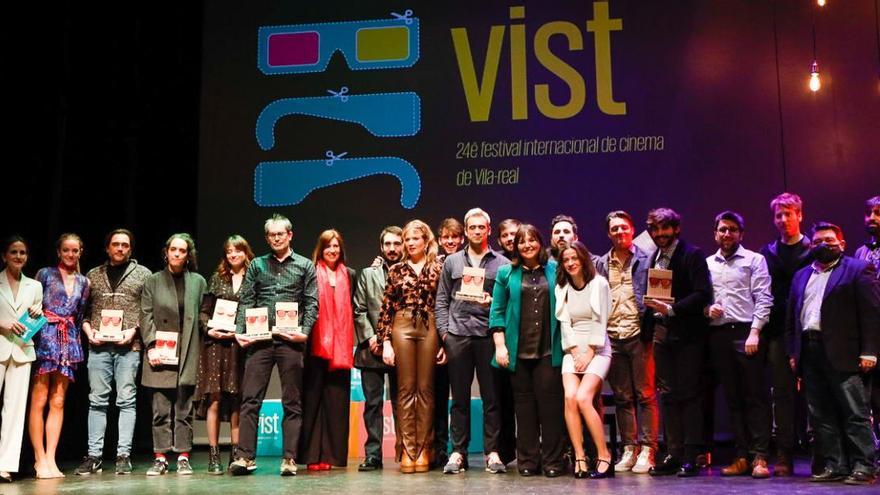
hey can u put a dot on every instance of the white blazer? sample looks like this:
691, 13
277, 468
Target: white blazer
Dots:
30, 293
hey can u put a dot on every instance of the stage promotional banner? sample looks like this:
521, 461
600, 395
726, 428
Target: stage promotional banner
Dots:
356, 115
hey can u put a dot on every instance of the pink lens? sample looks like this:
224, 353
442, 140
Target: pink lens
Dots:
289, 49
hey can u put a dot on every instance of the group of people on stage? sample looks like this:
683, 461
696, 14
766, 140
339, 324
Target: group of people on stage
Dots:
553, 322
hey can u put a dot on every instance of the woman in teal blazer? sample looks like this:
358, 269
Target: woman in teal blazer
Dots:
529, 345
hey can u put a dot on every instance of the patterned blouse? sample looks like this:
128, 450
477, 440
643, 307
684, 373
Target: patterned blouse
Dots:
405, 289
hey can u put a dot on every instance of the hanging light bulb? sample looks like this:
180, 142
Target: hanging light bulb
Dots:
815, 83
821, 3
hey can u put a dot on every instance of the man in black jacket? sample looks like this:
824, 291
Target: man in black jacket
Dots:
679, 331
785, 256
833, 333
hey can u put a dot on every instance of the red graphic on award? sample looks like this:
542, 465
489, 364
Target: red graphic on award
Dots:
110, 329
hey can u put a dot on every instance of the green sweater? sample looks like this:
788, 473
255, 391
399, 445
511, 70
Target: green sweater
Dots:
505, 311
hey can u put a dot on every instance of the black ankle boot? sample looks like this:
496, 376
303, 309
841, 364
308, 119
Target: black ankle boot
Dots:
232, 448
214, 466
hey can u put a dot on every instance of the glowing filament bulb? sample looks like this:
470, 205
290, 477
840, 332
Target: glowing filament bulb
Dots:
815, 83
821, 3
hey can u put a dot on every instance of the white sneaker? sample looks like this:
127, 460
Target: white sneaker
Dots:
645, 461
627, 460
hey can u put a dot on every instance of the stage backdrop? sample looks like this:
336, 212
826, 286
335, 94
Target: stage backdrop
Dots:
356, 115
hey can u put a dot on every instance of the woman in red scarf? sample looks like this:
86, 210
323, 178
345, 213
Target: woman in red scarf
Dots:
327, 373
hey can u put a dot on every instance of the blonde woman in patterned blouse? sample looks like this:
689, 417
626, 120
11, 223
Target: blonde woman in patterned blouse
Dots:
410, 342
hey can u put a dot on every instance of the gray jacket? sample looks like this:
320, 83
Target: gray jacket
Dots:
367, 302
159, 312
127, 297
462, 318
639, 266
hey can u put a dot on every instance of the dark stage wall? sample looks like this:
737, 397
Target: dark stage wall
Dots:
700, 106
108, 129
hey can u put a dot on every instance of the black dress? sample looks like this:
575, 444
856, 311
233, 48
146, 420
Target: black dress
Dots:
221, 362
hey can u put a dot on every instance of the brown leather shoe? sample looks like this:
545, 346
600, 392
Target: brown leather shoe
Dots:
407, 466
759, 468
783, 466
423, 462
738, 467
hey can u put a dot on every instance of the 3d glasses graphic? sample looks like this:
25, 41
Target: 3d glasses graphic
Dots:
382, 114
287, 183
372, 44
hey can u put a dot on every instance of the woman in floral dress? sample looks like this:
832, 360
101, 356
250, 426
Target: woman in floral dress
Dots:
65, 293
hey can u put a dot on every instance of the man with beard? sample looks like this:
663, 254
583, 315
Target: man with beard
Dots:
679, 331
631, 376
506, 233
741, 284
832, 331
785, 256
870, 252
368, 356
115, 285
464, 327
562, 229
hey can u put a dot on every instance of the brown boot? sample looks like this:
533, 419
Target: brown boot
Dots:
407, 466
759, 468
423, 462
783, 465
738, 467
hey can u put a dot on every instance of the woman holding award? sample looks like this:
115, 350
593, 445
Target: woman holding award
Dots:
527, 343
65, 293
583, 301
410, 342
169, 328
221, 361
18, 295
327, 373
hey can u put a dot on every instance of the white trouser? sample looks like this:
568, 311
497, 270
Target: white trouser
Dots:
14, 378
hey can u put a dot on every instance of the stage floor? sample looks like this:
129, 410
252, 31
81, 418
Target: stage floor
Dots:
389, 481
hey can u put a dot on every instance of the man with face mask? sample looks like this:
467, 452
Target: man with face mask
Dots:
368, 356
832, 330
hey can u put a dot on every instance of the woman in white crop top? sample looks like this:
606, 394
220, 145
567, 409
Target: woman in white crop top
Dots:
583, 301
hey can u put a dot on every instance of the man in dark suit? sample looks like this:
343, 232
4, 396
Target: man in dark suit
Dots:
368, 357
679, 331
833, 328
870, 252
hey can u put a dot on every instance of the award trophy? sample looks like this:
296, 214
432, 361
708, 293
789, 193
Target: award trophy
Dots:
472, 285
257, 324
659, 285
166, 348
110, 329
224, 316
286, 317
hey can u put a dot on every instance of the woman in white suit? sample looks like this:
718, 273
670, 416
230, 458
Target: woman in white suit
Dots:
583, 301
17, 295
